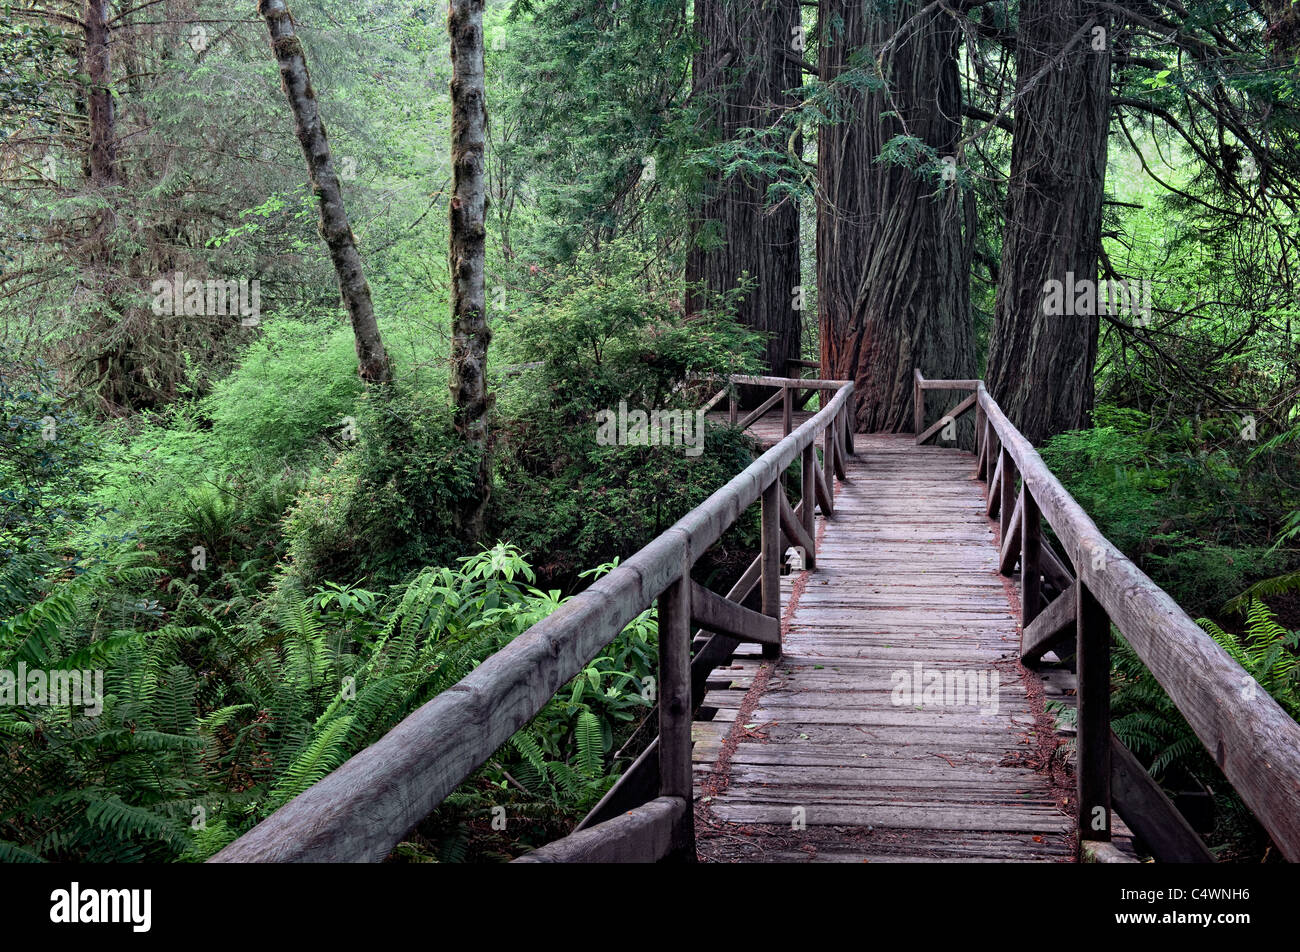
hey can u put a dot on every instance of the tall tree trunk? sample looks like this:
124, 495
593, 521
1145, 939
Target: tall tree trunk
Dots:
1040, 365
118, 381
99, 99
470, 333
372, 360
742, 73
893, 246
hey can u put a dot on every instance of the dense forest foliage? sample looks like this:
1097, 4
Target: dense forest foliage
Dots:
296, 425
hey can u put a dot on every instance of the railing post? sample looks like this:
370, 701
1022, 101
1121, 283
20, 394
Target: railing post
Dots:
733, 404
828, 459
918, 403
1007, 489
1030, 550
787, 410
981, 440
1092, 664
771, 567
675, 705
852, 415
808, 481
845, 446
986, 466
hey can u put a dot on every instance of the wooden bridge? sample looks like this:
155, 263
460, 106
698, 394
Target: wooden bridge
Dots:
879, 703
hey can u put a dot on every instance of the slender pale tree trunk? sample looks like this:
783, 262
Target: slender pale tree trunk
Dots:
743, 74
1040, 367
470, 333
372, 360
893, 247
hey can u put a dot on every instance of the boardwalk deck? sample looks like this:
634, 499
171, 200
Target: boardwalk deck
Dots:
907, 576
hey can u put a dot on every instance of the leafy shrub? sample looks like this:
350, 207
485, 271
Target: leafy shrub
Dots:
385, 507
292, 389
1175, 502
221, 472
46, 451
44, 446
601, 340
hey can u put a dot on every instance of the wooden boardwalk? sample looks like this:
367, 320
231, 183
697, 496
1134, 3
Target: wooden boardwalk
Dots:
825, 754
898, 723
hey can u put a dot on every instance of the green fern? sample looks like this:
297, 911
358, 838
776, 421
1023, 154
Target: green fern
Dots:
1267, 588
590, 738
322, 754
1146, 720
1266, 652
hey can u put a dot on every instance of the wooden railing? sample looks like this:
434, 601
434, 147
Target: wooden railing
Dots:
1077, 594
359, 812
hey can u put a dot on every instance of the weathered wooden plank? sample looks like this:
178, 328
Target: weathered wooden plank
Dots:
908, 816
808, 504
828, 463
644, 834
794, 528
761, 409
995, 491
1031, 542
674, 688
771, 554
918, 405
717, 614
757, 380
1007, 490
1092, 768
1009, 554
1144, 806
1101, 851
948, 417
824, 498
1056, 620
1054, 568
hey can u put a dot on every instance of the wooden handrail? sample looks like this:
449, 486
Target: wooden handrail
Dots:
361, 810
1251, 738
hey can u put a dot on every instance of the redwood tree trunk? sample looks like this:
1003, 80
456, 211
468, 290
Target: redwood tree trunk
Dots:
893, 246
99, 97
742, 73
470, 333
372, 360
1040, 366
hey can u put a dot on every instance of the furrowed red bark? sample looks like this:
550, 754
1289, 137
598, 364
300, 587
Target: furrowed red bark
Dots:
743, 73
470, 333
1040, 367
893, 247
372, 360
